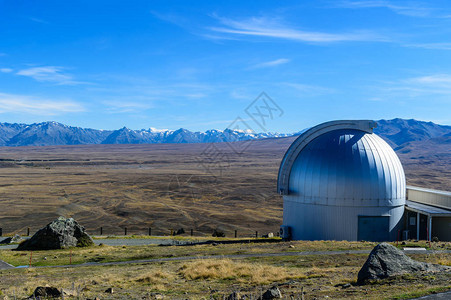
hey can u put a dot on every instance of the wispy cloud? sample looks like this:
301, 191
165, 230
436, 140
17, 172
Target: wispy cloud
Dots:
271, 28
431, 46
436, 80
408, 8
438, 85
36, 20
11, 103
272, 63
6, 70
53, 74
117, 107
309, 89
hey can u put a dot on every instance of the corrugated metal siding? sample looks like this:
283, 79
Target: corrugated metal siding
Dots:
337, 177
323, 222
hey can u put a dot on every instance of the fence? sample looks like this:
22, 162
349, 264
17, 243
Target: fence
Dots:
150, 231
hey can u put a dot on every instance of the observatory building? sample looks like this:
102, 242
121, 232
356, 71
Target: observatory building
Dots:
340, 181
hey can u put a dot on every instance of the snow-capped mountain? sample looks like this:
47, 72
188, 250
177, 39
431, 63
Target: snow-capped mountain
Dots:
398, 132
54, 133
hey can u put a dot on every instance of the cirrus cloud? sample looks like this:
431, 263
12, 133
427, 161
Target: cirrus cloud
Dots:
271, 28
11, 103
52, 74
272, 63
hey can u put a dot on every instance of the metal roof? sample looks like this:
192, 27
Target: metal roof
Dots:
438, 192
305, 138
348, 167
427, 209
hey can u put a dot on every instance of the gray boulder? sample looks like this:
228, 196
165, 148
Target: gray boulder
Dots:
272, 293
386, 260
59, 234
9, 240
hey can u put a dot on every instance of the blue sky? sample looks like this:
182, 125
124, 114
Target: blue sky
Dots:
200, 64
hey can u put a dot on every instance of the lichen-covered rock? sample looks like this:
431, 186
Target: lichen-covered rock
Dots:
386, 260
271, 293
59, 234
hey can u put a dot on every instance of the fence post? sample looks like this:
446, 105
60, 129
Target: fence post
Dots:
256, 234
236, 233
1, 231
125, 231
192, 232
28, 231
172, 232
31, 256
101, 230
150, 231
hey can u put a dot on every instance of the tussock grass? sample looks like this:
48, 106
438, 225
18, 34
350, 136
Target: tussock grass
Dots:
441, 259
226, 269
158, 279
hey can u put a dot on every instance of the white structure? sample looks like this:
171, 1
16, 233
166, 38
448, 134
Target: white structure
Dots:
340, 181
428, 214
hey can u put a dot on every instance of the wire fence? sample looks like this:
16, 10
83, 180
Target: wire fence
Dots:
151, 231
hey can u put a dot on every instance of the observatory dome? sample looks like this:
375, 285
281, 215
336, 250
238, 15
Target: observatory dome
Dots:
341, 181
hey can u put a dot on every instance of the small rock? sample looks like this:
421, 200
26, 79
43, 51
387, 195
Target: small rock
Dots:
15, 239
45, 292
346, 285
70, 293
272, 293
291, 246
109, 290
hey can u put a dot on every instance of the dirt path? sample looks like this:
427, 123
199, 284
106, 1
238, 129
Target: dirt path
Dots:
232, 256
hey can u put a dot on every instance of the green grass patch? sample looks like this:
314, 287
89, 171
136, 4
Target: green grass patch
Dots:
421, 293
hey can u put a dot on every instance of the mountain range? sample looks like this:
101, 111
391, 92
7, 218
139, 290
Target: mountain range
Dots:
54, 133
399, 133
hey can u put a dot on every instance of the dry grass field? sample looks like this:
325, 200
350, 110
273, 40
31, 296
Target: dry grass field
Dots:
162, 186
319, 276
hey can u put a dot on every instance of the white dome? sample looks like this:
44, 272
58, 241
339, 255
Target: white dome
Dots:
348, 167
341, 181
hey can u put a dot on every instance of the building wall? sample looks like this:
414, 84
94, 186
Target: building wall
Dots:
326, 222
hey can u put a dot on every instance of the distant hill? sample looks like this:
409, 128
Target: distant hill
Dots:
399, 133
